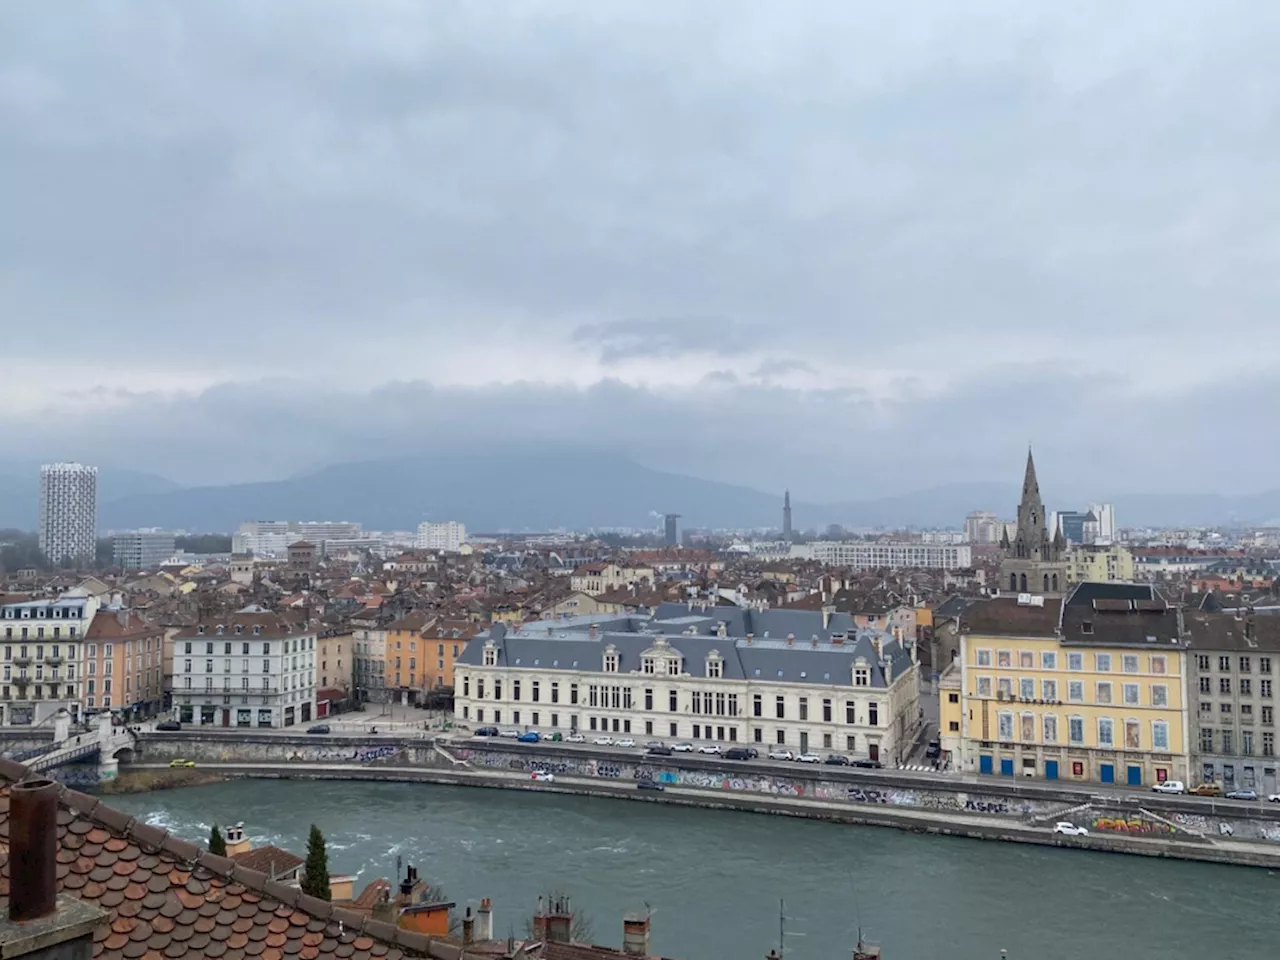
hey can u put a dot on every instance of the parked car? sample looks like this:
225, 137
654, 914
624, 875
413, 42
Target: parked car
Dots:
868, 764
555, 737
182, 763
1242, 795
682, 747
659, 750
737, 753
486, 732
752, 751
1274, 798
624, 742
809, 758
169, 725
837, 760
1207, 790
320, 728
1070, 829
648, 785
603, 741
575, 738
1169, 786
511, 734
934, 750
650, 744
544, 776
781, 754
711, 748
530, 737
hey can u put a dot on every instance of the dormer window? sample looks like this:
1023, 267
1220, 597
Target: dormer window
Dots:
673, 667
490, 656
648, 665
200, 628
221, 630
715, 665
257, 630
239, 628
611, 659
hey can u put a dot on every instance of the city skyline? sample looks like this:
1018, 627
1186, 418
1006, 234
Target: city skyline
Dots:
655, 232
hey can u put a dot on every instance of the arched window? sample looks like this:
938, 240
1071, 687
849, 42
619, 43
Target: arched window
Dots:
1013, 581
1023, 581
1055, 583
1046, 583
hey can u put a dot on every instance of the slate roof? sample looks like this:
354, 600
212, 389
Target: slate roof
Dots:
1225, 631
1005, 617
1085, 593
167, 899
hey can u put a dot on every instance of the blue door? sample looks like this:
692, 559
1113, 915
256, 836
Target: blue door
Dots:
984, 765
1006, 766
1135, 776
1051, 769
1108, 773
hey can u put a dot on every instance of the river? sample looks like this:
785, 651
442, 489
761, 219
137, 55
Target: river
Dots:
714, 878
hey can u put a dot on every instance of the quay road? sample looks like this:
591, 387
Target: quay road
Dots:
1065, 791
951, 823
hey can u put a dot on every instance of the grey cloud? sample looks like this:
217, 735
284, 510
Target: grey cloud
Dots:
231, 192
666, 338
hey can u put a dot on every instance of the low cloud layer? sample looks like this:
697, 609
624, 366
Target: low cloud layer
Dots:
847, 247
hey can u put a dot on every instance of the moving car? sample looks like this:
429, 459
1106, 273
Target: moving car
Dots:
511, 734
659, 750
182, 763
837, 760
869, 764
712, 748
682, 747
1169, 786
650, 744
737, 753
934, 750
603, 741
555, 737
321, 728
648, 785
1274, 798
1070, 829
809, 758
169, 725
530, 737
486, 732
1242, 795
1207, 790
544, 776
781, 754
625, 742
575, 738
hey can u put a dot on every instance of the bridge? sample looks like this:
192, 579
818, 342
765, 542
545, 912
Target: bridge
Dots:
104, 743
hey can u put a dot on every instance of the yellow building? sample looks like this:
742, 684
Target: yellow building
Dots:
1112, 564
951, 712
1089, 687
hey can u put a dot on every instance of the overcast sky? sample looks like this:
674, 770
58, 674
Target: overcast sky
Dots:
848, 247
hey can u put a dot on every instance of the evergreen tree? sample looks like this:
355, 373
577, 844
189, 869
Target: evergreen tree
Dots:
315, 877
217, 844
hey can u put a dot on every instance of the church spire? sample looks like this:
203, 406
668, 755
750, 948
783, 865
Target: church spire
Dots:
1030, 487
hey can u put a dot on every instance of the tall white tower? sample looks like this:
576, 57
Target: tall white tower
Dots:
68, 511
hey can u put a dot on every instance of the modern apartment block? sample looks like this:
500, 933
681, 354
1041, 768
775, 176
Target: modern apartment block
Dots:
142, 549
448, 536
1234, 666
43, 649
871, 555
68, 512
253, 668
272, 538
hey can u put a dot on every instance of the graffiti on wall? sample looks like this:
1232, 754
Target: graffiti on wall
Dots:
1131, 824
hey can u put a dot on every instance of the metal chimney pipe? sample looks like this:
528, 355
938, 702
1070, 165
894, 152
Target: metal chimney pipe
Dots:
33, 850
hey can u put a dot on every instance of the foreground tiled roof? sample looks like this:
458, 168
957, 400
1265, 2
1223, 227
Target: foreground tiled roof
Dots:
168, 899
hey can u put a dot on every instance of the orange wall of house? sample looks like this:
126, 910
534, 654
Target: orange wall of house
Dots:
434, 923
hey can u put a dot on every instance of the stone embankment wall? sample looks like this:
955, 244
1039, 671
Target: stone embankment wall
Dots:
1036, 805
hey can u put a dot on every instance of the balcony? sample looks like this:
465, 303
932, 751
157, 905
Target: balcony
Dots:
54, 661
22, 661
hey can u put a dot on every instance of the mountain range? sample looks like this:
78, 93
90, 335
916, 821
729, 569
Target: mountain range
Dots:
546, 489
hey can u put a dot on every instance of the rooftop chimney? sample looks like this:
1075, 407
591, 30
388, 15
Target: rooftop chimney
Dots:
635, 935
484, 920
40, 923
750, 638
560, 921
595, 630
468, 928
791, 639
827, 611
33, 850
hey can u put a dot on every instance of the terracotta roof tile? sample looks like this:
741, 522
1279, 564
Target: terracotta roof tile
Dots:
167, 898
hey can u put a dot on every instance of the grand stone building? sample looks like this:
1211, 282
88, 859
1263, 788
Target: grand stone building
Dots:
1035, 561
808, 681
